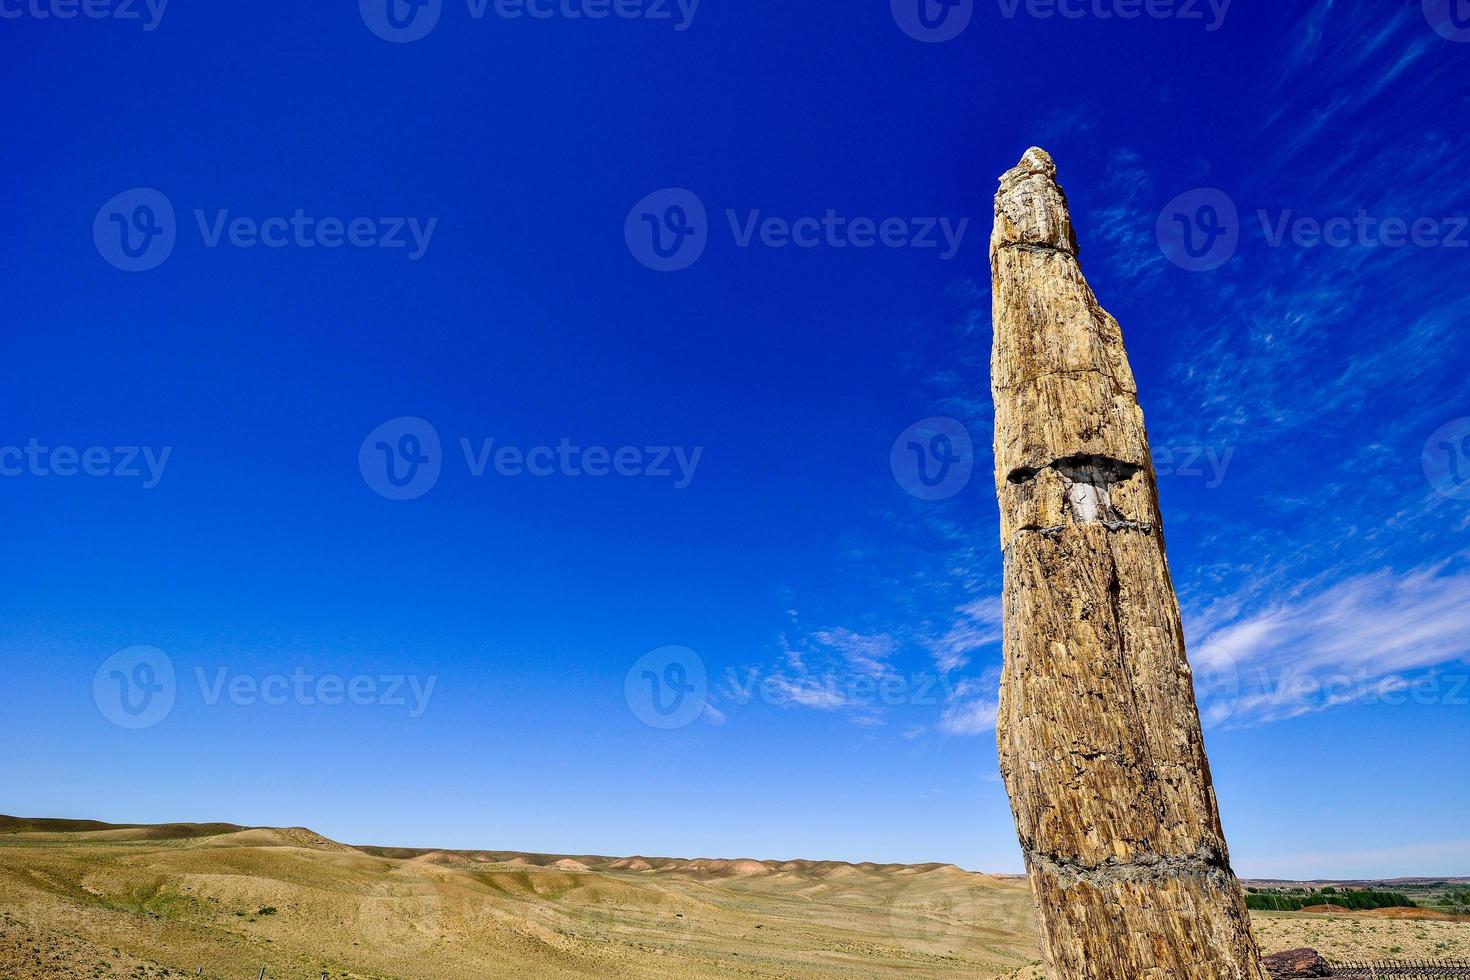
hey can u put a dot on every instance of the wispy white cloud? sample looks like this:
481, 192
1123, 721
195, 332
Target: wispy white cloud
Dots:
867, 653
807, 692
928, 566
1367, 49
826, 669
1071, 123
978, 626
1366, 637
971, 707
867, 676
1283, 321
1124, 229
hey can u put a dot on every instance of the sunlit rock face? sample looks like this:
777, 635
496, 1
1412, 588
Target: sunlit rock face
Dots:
1098, 730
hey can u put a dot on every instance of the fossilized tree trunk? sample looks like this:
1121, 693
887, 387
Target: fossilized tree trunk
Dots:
1099, 735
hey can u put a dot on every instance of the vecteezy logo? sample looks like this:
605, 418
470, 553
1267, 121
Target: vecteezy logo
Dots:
401, 21
134, 688
667, 230
1199, 230
933, 21
401, 458
933, 459
1450, 18
1447, 459
135, 230
667, 688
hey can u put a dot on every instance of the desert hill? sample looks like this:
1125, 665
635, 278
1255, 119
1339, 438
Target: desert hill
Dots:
83, 898
707, 867
116, 831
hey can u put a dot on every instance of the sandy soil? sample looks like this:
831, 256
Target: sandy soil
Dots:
140, 902
1379, 934
98, 904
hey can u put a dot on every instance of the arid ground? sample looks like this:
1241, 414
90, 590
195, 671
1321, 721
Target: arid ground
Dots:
80, 899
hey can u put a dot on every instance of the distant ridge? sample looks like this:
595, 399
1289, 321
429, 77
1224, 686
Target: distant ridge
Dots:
148, 831
706, 867
238, 835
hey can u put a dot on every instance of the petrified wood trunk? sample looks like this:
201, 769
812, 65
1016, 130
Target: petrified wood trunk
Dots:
1099, 735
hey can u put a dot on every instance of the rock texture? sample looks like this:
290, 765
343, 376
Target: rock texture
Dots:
1297, 963
1099, 734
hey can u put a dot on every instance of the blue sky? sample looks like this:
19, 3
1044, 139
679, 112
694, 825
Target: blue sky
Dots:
833, 691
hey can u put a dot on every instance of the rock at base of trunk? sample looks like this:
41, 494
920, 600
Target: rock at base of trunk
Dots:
1297, 963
